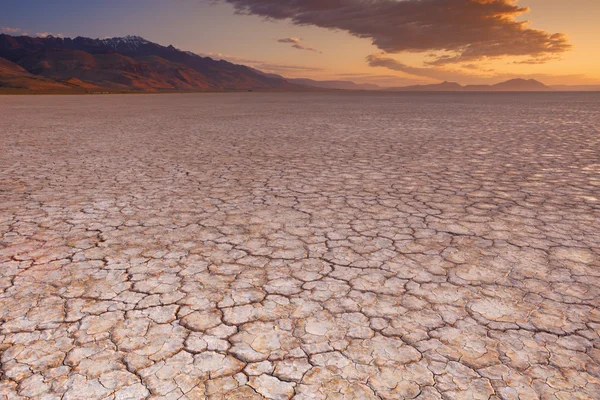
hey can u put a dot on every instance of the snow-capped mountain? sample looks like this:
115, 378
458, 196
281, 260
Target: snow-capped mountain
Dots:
130, 42
128, 63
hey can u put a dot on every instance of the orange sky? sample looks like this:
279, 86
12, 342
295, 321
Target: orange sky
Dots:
390, 42
342, 54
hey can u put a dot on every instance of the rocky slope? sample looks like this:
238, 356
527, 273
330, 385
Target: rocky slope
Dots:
127, 63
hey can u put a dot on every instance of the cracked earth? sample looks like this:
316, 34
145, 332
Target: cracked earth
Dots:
306, 246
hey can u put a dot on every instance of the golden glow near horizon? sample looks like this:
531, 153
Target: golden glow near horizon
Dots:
342, 55
326, 40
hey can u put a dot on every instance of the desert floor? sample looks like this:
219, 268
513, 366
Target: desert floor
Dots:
314, 246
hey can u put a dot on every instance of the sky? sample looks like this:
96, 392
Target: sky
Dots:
386, 42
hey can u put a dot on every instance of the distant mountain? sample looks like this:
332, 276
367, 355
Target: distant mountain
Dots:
513, 85
438, 87
520, 85
132, 63
333, 85
341, 85
576, 88
121, 63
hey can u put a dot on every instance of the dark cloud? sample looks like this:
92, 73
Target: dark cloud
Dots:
297, 44
383, 60
470, 30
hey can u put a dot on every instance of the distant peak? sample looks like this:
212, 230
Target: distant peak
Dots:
521, 84
133, 38
129, 42
447, 83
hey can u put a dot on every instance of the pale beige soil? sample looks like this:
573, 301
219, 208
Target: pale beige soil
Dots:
314, 246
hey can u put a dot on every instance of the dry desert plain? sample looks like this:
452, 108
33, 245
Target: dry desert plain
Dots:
306, 246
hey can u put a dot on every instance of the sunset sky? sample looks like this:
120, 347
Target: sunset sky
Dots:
388, 42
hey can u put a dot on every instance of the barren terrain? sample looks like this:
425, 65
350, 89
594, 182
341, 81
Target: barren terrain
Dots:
306, 246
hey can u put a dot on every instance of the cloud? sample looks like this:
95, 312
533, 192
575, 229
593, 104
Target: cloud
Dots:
540, 60
46, 34
383, 60
6, 29
265, 66
297, 44
284, 68
471, 30
384, 80
474, 67
475, 76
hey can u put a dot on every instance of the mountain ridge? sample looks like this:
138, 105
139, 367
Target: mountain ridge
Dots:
335, 84
129, 63
132, 63
512, 85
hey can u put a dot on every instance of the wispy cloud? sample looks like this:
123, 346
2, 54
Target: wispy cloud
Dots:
297, 44
265, 66
539, 60
443, 74
46, 34
384, 79
7, 29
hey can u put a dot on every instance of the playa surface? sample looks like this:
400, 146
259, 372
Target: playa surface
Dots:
314, 246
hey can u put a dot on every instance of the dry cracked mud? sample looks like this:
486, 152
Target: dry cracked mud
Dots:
306, 246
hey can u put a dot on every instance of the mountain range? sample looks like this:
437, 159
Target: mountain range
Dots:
120, 64
132, 63
513, 85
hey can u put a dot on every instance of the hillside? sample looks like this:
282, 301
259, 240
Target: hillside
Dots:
14, 77
128, 63
132, 63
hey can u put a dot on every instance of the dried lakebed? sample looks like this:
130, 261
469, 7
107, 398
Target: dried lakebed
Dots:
306, 246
